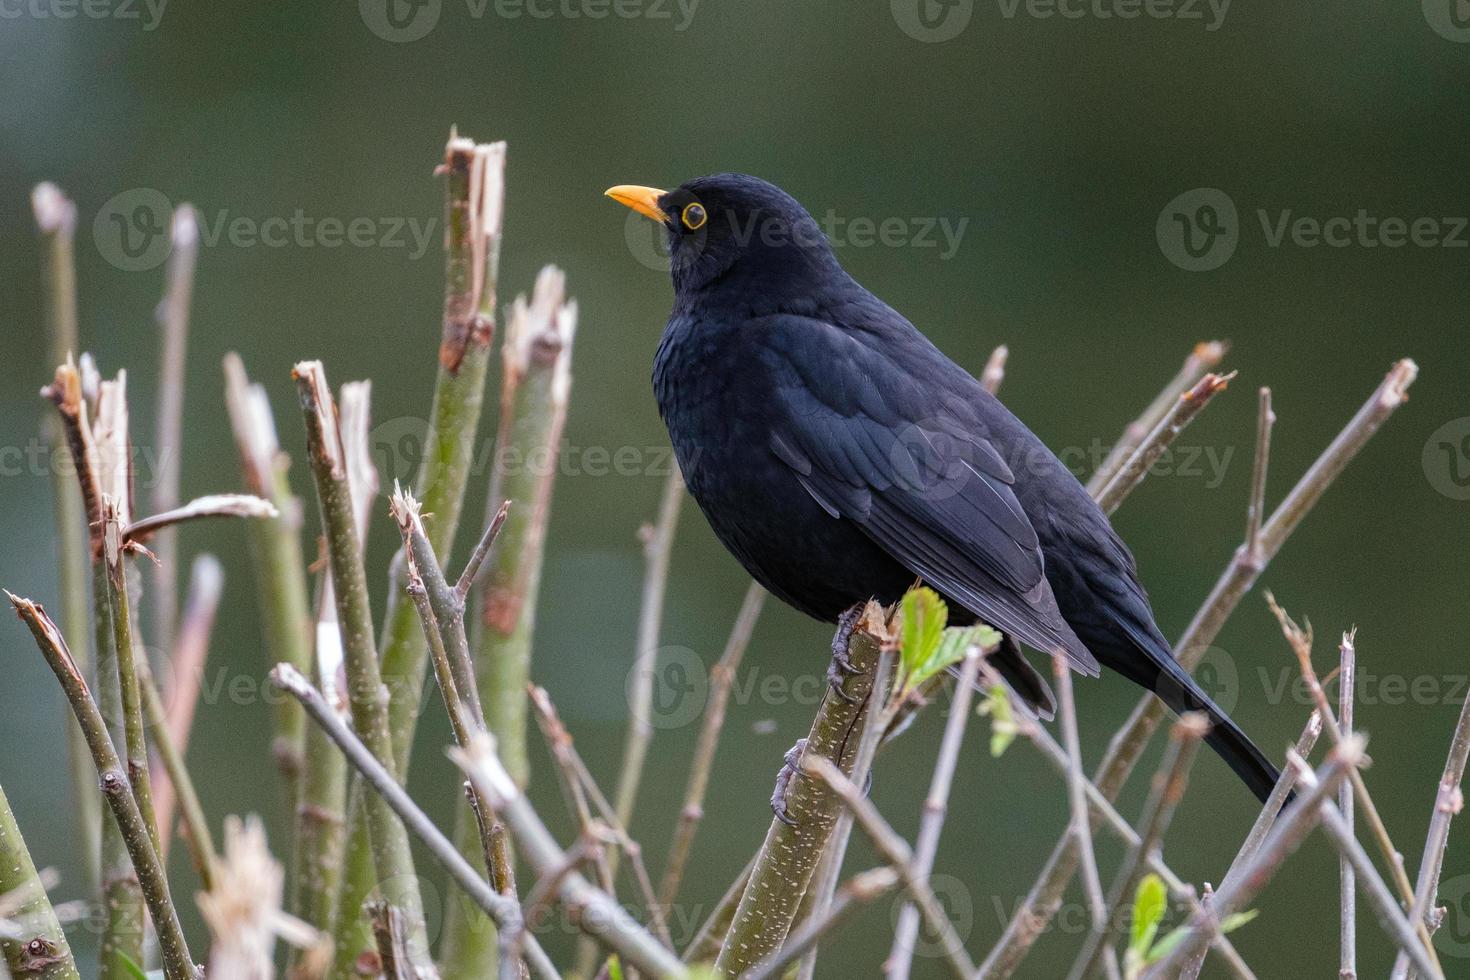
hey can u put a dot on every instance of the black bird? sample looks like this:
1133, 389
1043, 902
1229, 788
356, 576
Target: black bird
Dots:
838, 454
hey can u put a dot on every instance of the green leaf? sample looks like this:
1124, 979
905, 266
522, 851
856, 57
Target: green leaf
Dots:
1167, 945
924, 616
1150, 902
614, 968
1003, 727
132, 969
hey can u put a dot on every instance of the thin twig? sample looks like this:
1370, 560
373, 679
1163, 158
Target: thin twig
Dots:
1131, 473
1169, 784
722, 679
56, 218
658, 544
1103, 809
1205, 356
586, 788
1045, 896
173, 321
1284, 839
125, 649
595, 912
1348, 933
1256, 508
1081, 821
1448, 801
191, 649
178, 783
481, 552
1399, 928
705, 945
896, 851
1285, 783
859, 890
995, 369
280, 583
177, 963
505, 911
936, 806
213, 505
1301, 643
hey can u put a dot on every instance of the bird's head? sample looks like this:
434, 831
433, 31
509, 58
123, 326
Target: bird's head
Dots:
734, 229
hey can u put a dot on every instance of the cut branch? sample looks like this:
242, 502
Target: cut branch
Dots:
177, 963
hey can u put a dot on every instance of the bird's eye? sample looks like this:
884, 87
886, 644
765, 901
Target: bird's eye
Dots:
694, 216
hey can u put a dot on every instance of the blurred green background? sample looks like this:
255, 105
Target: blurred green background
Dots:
1056, 141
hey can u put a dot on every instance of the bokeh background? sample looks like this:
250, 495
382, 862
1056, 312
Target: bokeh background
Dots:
1052, 145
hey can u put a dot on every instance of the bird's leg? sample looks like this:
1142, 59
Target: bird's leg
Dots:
790, 767
840, 668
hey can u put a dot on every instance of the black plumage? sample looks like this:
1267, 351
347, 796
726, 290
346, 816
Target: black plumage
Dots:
838, 454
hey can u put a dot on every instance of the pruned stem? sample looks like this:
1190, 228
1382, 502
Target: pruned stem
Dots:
1347, 882
535, 387
859, 890
1285, 783
41, 951
179, 783
177, 963
995, 369
280, 572
392, 859
56, 219
789, 856
173, 320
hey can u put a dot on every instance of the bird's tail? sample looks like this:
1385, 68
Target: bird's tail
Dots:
1176, 688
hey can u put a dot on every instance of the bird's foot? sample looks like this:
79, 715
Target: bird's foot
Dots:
790, 768
840, 668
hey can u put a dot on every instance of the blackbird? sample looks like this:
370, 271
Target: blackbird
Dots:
839, 455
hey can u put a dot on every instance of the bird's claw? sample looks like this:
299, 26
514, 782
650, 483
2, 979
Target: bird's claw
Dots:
840, 668
790, 768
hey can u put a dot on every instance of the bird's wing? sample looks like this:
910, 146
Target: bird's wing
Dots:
905, 459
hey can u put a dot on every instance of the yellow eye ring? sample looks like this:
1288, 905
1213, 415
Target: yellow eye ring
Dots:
694, 216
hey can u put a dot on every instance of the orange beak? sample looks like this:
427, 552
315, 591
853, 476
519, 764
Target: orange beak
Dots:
644, 200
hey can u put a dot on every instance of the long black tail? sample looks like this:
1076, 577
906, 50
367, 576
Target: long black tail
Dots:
1173, 685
